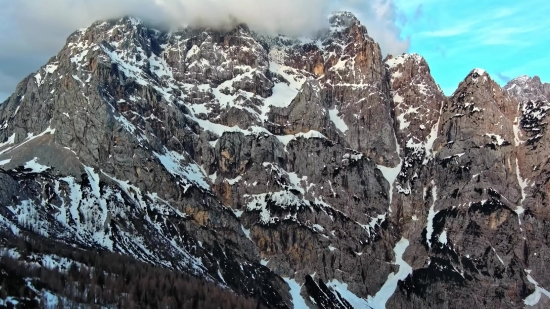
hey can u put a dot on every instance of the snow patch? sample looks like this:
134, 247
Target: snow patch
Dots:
394, 62
534, 298
234, 180
246, 232
387, 290
191, 173
404, 123
238, 213
221, 276
479, 71
285, 139
342, 289
390, 173
523, 183
398, 99
497, 138
443, 237
10, 141
495, 251
318, 228
192, 51
282, 199
297, 299
38, 79
51, 68
338, 120
36, 167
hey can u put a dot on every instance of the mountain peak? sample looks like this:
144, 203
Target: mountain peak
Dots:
127, 20
342, 19
521, 79
526, 88
394, 61
475, 77
478, 88
134, 21
479, 72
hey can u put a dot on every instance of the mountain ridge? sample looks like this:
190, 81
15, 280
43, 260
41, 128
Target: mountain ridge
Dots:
261, 163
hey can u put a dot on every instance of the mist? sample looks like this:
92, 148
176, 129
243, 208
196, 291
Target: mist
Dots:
34, 30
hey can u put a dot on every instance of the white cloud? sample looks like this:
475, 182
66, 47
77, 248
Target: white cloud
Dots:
460, 28
380, 17
288, 16
34, 30
292, 17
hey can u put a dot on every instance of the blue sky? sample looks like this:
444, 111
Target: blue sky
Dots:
506, 38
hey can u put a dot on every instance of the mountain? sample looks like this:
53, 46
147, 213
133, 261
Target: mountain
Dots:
305, 173
526, 88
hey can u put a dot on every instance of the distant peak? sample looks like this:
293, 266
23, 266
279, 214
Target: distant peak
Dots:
394, 61
524, 80
342, 19
126, 20
479, 72
478, 75
472, 81
521, 79
132, 20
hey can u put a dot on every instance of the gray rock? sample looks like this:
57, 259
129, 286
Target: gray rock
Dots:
248, 159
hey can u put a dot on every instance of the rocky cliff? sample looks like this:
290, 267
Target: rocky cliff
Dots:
302, 173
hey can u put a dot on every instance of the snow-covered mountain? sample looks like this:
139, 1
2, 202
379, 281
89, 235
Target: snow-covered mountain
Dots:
526, 88
305, 173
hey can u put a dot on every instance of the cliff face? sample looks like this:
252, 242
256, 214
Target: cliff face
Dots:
301, 173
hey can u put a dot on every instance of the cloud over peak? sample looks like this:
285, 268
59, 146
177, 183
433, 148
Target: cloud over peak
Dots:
34, 30
290, 17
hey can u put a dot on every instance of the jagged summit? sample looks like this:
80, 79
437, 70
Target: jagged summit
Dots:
479, 92
342, 19
477, 81
525, 79
397, 60
478, 72
478, 75
522, 79
528, 89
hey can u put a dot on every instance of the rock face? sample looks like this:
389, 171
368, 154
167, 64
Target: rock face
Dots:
417, 106
525, 88
349, 67
296, 172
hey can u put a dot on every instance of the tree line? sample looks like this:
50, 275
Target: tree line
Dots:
103, 279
